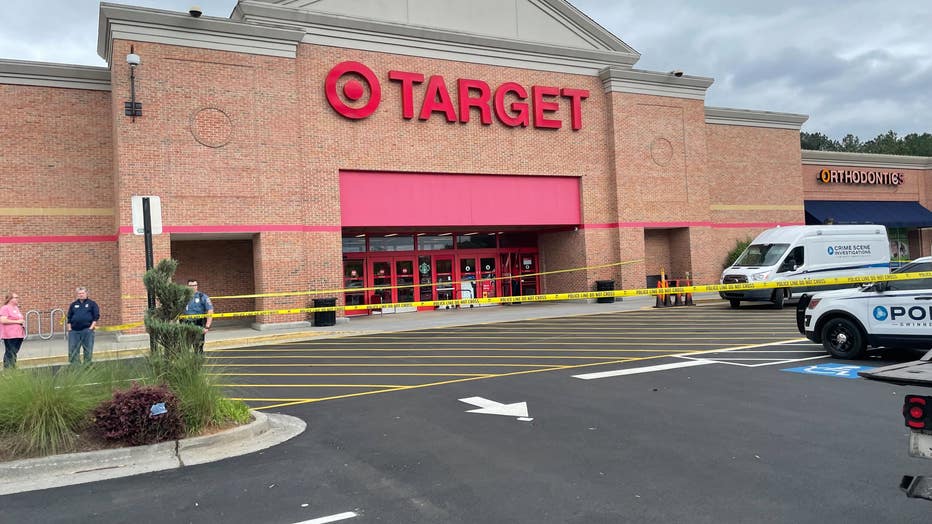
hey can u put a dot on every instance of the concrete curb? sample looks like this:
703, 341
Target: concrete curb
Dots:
264, 432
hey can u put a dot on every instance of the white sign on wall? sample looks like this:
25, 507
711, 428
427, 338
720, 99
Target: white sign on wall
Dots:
155, 215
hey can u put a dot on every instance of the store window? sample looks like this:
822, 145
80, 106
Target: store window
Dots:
354, 245
434, 242
391, 243
518, 239
899, 246
477, 241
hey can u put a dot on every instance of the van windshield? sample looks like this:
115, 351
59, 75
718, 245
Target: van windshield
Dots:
761, 255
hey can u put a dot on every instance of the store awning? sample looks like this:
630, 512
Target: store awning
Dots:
387, 199
890, 214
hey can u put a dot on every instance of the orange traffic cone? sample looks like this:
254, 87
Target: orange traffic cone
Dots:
667, 299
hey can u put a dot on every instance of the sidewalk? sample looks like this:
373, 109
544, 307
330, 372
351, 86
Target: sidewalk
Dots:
38, 352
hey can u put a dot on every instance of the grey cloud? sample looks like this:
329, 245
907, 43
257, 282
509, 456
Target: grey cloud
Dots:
854, 66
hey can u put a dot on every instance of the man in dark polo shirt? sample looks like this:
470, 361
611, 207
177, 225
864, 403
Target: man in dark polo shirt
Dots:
82, 316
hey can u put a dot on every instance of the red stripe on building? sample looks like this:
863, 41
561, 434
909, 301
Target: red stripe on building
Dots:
58, 239
667, 225
128, 230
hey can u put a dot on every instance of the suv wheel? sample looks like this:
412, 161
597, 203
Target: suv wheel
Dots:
734, 303
842, 338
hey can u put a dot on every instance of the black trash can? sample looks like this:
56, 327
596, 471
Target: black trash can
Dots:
605, 285
325, 318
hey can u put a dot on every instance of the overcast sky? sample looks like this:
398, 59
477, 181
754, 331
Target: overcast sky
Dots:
853, 66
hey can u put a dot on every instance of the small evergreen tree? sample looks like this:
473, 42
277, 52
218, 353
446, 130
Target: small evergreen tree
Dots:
168, 336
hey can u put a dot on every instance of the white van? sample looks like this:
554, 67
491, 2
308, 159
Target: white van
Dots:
799, 252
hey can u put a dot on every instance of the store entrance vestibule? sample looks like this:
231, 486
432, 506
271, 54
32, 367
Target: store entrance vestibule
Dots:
436, 274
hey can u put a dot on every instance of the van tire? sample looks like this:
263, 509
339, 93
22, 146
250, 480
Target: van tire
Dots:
779, 298
734, 303
843, 339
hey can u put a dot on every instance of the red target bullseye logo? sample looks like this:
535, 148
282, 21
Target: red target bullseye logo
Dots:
353, 90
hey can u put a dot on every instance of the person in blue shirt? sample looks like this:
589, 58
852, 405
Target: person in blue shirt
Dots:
199, 305
82, 317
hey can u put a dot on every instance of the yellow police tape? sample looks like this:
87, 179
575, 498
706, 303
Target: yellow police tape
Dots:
433, 284
804, 282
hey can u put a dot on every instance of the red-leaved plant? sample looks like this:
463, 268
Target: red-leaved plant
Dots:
129, 416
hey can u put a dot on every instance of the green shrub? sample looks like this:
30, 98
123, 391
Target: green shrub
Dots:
198, 395
232, 411
169, 337
128, 416
45, 407
740, 246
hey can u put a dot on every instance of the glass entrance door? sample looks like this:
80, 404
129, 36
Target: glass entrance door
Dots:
404, 282
443, 278
511, 284
425, 276
520, 272
382, 283
394, 283
527, 268
469, 275
354, 276
488, 282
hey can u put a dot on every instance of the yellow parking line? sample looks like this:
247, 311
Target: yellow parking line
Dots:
376, 357
527, 372
285, 404
403, 340
389, 386
348, 374
248, 399
262, 351
358, 365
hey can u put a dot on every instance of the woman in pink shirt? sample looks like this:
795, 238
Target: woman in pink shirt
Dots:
12, 329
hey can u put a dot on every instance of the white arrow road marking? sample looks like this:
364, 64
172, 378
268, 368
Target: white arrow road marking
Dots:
331, 518
648, 369
490, 407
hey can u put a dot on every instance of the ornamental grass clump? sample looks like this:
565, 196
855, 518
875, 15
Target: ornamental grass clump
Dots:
199, 392
44, 409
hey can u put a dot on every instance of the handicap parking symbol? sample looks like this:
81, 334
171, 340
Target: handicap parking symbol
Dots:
830, 370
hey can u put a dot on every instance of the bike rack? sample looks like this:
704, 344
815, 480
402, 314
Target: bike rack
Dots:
38, 316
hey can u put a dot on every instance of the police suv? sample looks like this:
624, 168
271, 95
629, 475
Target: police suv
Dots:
894, 314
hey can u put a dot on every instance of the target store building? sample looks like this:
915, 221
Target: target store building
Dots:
341, 145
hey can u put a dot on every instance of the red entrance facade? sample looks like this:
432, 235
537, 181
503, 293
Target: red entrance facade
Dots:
402, 268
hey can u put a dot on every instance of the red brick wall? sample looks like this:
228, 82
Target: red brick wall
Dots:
248, 143
221, 268
657, 251
753, 179
57, 181
563, 250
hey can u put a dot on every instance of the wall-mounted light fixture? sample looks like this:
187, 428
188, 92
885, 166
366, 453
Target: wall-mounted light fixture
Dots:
132, 108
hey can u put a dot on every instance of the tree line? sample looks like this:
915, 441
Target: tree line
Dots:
887, 143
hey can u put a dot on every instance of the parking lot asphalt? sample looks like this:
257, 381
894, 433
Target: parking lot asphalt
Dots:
694, 417
275, 376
